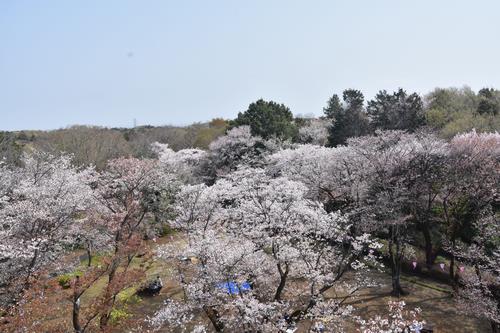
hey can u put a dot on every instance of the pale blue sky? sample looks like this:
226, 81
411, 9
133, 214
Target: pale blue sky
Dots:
176, 62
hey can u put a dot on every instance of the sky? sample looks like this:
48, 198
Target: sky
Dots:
109, 62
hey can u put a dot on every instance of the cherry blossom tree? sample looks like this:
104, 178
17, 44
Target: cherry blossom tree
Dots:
315, 132
334, 176
424, 174
186, 164
239, 148
123, 197
385, 205
478, 291
128, 191
266, 254
89, 233
272, 229
40, 206
471, 184
200, 208
37, 302
399, 183
418, 171
374, 180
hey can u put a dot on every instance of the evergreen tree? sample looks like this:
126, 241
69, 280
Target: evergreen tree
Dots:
349, 120
489, 101
396, 111
333, 108
267, 119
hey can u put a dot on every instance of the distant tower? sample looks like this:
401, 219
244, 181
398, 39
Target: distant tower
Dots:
135, 123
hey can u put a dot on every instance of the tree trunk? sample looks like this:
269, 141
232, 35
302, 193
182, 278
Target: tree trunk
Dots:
76, 307
281, 286
103, 322
109, 298
214, 318
396, 261
495, 327
429, 255
452, 266
397, 290
30, 269
89, 256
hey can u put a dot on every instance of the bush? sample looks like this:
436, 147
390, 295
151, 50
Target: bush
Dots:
166, 230
96, 259
65, 279
441, 260
129, 296
118, 315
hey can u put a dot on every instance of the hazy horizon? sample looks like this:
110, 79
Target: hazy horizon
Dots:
165, 63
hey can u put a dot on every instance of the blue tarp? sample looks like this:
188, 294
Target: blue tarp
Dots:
233, 288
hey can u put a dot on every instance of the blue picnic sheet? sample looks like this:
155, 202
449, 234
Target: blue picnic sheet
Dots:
232, 287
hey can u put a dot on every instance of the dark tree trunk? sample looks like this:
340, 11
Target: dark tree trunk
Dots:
429, 253
30, 269
452, 266
103, 322
89, 256
76, 307
213, 315
109, 298
495, 327
397, 290
281, 286
396, 257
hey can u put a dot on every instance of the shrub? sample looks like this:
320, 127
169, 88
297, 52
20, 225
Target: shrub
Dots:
65, 279
441, 260
118, 315
129, 296
166, 230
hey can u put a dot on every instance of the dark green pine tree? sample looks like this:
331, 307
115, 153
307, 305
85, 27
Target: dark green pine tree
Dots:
268, 119
333, 107
489, 101
349, 120
396, 111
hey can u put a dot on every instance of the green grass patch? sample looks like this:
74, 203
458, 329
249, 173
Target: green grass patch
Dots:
65, 279
118, 315
96, 260
128, 296
166, 230
441, 260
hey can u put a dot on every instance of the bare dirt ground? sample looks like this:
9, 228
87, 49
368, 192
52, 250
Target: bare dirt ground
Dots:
439, 309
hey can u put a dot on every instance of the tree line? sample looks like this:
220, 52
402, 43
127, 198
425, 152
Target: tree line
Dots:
445, 111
